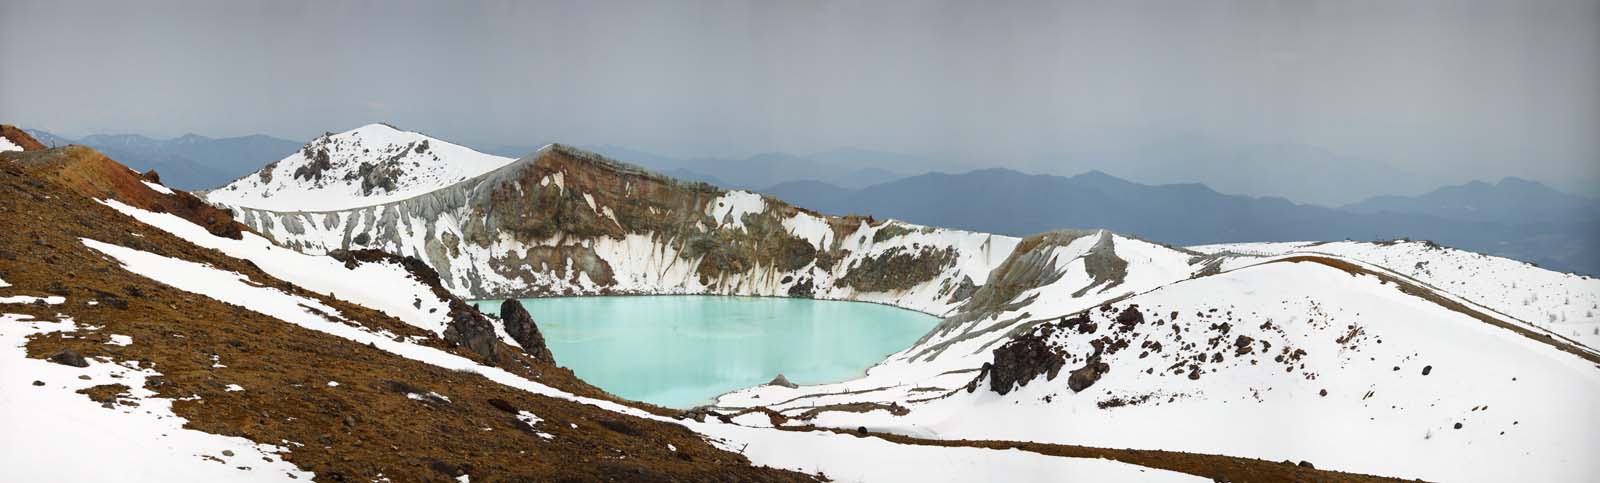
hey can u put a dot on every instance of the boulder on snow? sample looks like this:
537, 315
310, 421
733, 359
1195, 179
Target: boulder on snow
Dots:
68, 357
1086, 376
521, 327
151, 176
782, 381
1023, 359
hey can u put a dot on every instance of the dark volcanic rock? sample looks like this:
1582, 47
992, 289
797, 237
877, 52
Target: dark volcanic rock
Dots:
1426, 370
782, 381
1129, 318
152, 176
468, 328
68, 357
1086, 376
521, 327
1023, 359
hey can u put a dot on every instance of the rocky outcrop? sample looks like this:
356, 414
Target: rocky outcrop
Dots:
466, 328
521, 327
470, 329
1021, 360
898, 269
1086, 376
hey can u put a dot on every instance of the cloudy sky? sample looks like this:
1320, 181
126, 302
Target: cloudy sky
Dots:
1322, 102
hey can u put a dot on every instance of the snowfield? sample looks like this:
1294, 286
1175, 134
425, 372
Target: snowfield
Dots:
1565, 304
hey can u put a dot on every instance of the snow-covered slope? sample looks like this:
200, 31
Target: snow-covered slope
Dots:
368, 165
1564, 303
1282, 360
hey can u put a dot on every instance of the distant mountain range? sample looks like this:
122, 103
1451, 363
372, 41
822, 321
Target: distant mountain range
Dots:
1512, 200
1515, 218
189, 162
847, 167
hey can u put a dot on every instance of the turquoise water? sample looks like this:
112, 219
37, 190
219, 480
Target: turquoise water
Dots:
682, 351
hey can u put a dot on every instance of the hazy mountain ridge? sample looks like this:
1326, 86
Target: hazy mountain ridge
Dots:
189, 162
1511, 200
1010, 202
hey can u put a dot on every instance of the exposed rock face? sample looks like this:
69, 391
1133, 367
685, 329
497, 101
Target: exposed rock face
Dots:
317, 153
1022, 360
898, 269
521, 327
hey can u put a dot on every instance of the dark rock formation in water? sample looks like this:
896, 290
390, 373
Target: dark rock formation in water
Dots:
521, 327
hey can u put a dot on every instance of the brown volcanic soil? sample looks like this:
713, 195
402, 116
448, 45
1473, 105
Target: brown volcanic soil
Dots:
365, 426
1216, 467
20, 138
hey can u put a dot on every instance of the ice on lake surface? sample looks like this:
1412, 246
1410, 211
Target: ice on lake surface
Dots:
682, 351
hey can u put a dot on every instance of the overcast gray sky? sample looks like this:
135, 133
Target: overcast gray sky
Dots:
1317, 101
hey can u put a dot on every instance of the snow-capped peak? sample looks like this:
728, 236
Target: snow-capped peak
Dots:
371, 164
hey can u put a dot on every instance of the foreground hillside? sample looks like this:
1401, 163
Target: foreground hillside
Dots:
1363, 360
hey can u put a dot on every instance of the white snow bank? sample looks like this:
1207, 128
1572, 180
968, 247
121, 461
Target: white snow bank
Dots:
51, 433
385, 287
159, 189
729, 209
24, 299
7, 145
